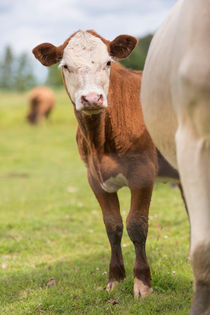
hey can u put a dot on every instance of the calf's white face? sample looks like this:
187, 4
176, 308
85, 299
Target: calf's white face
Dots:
86, 70
85, 59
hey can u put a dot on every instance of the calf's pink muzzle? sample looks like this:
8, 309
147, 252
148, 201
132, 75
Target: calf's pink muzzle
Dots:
92, 101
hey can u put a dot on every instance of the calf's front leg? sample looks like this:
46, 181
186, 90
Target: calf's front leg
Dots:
137, 227
114, 227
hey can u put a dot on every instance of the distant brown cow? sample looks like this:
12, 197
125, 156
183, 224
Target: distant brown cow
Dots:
112, 139
41, 100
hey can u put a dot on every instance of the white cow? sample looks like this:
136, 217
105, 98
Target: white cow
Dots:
176, 106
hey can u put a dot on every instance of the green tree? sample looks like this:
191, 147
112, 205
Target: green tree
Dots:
137, 59
24, 77
7, 69
54, 77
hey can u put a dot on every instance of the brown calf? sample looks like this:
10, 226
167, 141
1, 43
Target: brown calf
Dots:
112, 139
41, 102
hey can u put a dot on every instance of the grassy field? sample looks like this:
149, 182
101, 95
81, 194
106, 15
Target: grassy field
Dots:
51, 227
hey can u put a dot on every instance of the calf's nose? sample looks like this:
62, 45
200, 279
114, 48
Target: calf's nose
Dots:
92, 99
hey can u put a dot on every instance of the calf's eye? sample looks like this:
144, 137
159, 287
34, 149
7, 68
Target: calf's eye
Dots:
108, 63
65, 66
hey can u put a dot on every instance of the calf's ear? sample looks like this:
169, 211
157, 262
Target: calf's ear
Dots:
122, 46
48, 54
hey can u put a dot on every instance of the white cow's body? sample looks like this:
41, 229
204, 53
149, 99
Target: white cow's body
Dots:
176, 105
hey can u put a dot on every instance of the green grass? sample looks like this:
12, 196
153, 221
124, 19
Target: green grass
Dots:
51, 227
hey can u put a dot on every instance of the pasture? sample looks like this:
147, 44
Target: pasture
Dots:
51, 227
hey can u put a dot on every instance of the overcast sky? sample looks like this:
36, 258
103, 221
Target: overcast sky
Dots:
26, 23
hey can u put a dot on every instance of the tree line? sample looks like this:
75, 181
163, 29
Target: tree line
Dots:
17, 73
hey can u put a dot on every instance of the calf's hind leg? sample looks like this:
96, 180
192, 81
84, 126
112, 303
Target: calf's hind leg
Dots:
114, 227
137, 227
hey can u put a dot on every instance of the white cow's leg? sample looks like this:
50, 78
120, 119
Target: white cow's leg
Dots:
193, 157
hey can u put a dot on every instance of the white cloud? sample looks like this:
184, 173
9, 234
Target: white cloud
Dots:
26, 23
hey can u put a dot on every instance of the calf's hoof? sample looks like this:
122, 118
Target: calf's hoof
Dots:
140, 289
111, 285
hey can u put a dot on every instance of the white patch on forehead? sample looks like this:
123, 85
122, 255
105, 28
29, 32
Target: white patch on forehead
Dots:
86, 58
84, 48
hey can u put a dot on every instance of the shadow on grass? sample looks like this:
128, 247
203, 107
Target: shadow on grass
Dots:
80, 284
